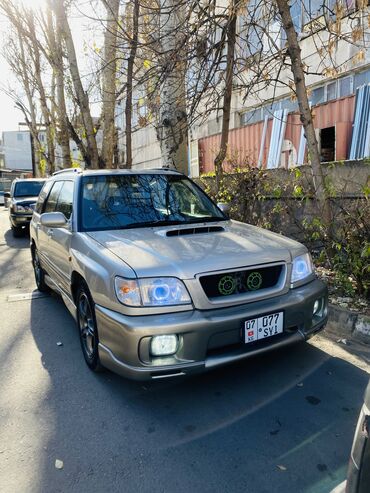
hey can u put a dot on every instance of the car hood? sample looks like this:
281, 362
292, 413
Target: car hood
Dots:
150, 252
26, 200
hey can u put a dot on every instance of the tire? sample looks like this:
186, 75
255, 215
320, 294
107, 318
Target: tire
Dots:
87, 328
39, 272
18, 232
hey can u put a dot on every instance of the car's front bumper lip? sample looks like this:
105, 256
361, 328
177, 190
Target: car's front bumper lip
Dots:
121, 335
20, 219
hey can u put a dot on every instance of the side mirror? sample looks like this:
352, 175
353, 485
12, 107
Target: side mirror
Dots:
53, 220
6, 195
225, 208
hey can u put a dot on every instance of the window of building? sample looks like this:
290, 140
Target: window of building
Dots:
318, 96
327, 144
361, 79
331, 91
250, 117
345, 86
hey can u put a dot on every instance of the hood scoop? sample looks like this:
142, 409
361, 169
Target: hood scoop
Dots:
195, 231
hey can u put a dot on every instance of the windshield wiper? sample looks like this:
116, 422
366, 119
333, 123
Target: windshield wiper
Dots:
144, 224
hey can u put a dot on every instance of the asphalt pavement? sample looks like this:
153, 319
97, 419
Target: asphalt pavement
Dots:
281, 422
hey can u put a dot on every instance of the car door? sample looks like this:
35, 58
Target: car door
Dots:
60, 238
44, 232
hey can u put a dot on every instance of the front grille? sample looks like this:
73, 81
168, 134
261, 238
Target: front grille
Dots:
241, 282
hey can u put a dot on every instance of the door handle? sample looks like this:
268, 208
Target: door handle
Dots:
50, 232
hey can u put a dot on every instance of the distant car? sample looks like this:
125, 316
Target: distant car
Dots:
21, 202
160, 281
2, 200
358, 477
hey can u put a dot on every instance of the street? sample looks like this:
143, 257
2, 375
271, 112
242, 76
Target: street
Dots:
282, 422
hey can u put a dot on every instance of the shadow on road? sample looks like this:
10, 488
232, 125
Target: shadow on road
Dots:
18, 243
280, 422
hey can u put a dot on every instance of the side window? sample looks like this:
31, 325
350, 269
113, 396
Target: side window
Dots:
65, 199
51, 201
42, 197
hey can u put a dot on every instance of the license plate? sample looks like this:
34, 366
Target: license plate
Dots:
259, 328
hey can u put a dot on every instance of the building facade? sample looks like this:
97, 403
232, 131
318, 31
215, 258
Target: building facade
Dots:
265, 127
17, 150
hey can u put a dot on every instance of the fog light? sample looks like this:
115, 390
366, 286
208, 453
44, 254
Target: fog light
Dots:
164, 345
316, 307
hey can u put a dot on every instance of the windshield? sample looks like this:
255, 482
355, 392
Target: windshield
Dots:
27, 188
134, 201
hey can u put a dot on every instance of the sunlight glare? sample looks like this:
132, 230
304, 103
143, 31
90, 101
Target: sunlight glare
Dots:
34, 4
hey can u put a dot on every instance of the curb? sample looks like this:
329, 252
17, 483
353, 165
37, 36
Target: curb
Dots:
345, 323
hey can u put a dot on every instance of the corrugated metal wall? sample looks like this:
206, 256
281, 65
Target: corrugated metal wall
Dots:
244, 142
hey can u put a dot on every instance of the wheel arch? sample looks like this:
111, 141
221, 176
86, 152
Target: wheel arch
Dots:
76, 280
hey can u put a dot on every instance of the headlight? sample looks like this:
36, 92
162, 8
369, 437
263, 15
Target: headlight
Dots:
302, 267
19, 208
161, 291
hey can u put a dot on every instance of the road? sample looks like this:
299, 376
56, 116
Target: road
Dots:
281, 422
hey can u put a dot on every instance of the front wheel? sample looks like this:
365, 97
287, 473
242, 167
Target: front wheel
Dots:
39, 272
87, 327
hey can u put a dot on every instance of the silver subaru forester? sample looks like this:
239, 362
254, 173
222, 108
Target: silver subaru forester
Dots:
160, 281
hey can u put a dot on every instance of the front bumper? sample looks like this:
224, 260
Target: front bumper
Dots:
18, 220
208, 338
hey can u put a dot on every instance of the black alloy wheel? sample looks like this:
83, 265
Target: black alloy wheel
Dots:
87, 327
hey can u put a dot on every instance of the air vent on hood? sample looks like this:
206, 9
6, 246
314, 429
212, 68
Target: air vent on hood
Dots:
194, 231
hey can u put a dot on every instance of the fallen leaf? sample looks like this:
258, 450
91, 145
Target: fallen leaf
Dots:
343, 341
282, 468
59, 464
59, 343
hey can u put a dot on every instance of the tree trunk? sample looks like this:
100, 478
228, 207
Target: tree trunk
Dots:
172, 125
231, 39
32, 121
80, 94
35, 53
129, 84
109, 72
294, 53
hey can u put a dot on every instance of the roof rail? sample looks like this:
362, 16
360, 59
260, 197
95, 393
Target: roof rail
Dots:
68, 170
165, 168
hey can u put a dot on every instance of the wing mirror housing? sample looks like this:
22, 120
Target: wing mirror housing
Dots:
53, 220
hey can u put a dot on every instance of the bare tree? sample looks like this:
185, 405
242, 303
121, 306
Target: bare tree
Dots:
229, 75
172, 125
133, 42
92, 154
294, 52
109, 74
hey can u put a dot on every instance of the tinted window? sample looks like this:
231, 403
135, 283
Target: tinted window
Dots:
51, 201
65, 199
27, 188
128, 201
42, 196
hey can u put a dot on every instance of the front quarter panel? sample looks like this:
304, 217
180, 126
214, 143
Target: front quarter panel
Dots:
98, 266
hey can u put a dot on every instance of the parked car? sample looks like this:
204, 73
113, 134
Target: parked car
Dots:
21, 202
358, 476
2, 200
160, 281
